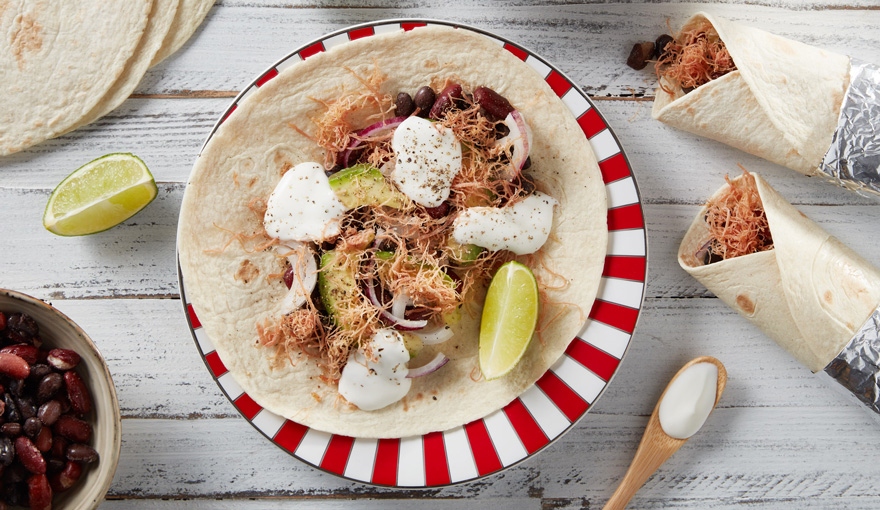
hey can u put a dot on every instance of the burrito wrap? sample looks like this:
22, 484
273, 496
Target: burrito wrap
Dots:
782, 103
810, 293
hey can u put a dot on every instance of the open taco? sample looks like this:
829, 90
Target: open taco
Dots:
235, 285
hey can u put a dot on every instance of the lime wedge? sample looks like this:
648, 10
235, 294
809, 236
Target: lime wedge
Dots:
98, 195
510, 314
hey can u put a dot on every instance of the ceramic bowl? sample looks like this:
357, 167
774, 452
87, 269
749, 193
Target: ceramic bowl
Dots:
57, 330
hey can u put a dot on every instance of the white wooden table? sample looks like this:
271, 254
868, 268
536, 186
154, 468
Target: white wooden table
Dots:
781, 438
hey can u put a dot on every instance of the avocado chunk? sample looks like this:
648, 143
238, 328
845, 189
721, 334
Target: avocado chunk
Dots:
364, 184
463, 253
337, 285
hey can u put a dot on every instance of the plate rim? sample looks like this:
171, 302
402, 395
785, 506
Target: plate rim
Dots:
632, 220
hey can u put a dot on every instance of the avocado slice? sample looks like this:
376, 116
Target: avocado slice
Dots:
337, 285
364, 184
462, 253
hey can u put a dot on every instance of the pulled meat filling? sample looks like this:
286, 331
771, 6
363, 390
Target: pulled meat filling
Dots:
737, 223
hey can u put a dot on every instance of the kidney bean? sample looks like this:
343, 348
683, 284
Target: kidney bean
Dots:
67, 477
445, 100
73, 428
43, 441
59, 448
80, 400
2, 321
39, 492
26, 352
31, 458
14, 366
63, 359
495, 106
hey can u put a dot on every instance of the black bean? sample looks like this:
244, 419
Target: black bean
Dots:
49, 386
424, 100
11, 429
23, 324
79, 452
7, 451
49, 412
404, 105
32, 426
39, 370
26, 407
660, 45
640, 54
11, 413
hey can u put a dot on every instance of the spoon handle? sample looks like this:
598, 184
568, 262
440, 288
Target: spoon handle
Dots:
653, 451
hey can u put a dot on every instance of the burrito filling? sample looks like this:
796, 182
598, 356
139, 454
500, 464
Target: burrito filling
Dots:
736, 222
694, 57
417, 212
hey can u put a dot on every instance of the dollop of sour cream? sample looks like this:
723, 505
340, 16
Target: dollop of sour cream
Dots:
303, 206
689, 400
372, 384
428, 157
521, 228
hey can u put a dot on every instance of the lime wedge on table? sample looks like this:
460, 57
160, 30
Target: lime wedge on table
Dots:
99, 195
510, 314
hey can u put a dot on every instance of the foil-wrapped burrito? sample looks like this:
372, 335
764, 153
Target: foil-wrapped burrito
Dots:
811, 110
802, 287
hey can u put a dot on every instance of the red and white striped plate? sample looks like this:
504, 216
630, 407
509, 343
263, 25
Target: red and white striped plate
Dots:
544, 411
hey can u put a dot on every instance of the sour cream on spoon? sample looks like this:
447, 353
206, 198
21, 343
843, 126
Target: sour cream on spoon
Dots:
427, 158
521, 228
303, 207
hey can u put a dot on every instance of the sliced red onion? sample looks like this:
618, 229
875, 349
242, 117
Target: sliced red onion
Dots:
435, 335
399, 304
439, 360
376, 129
401, 324
520, 136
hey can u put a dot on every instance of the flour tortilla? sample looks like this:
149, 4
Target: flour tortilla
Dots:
782, 103
230, 292
58, 59
810, 293
189, 16
158, 25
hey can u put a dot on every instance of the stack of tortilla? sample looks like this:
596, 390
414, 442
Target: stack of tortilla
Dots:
810, 293
66, 64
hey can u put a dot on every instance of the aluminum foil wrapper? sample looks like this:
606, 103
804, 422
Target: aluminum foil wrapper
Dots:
853, 161
857, 367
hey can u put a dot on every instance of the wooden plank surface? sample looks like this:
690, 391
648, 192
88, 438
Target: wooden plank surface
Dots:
782, 437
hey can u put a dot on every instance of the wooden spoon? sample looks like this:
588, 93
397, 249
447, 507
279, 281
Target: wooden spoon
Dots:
656, 445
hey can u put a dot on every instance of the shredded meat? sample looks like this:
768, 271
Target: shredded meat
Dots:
696, 56
736, 220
